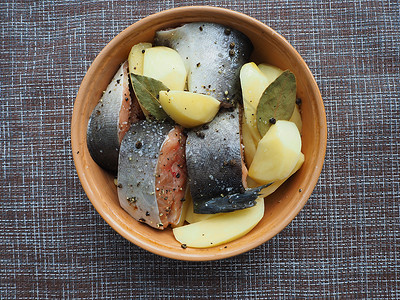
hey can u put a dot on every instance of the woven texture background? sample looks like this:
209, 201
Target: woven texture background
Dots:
344, 243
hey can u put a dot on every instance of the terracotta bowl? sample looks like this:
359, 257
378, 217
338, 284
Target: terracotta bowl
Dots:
281, 207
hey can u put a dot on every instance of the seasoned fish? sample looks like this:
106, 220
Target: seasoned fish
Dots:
215, 166
110, 120
213, 55
152, 173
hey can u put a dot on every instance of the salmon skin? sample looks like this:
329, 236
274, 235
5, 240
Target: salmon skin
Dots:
230, 202
110, 120
213, 55
215, 165
152, 173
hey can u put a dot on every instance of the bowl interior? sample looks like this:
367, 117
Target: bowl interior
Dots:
281, 207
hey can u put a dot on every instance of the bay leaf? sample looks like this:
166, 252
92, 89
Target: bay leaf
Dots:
146, 90
277, 101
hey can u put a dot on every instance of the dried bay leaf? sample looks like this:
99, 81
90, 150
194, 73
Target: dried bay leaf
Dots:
146, 90
277, 101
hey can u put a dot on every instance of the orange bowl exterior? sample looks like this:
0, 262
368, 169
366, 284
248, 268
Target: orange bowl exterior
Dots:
280, 208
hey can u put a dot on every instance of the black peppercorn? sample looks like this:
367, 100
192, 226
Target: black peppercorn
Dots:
272, 120
138, 145
200, 134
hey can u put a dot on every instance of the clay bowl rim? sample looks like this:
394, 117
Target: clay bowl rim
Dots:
92, 191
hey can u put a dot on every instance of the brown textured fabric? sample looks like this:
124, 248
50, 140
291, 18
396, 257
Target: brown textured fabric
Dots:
343, 244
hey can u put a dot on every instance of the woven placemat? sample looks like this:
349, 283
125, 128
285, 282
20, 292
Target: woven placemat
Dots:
343, 244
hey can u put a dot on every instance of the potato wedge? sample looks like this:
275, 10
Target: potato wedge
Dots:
274, 186
165, 65
270, 72
296, 118
253, 83
136, 58
189, 109
220, 229
277, 153
249, 143
254, 80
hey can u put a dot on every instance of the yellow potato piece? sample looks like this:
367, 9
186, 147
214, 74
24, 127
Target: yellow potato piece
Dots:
253, 83
165, 65
277, 153
254, 80
189, 109
296, 118
136, 58
249, 143
191, 216
220, 229
270, 72
274, 186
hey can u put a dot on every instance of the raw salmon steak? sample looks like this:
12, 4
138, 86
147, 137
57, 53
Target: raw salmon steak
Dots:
111, 119
152, 173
